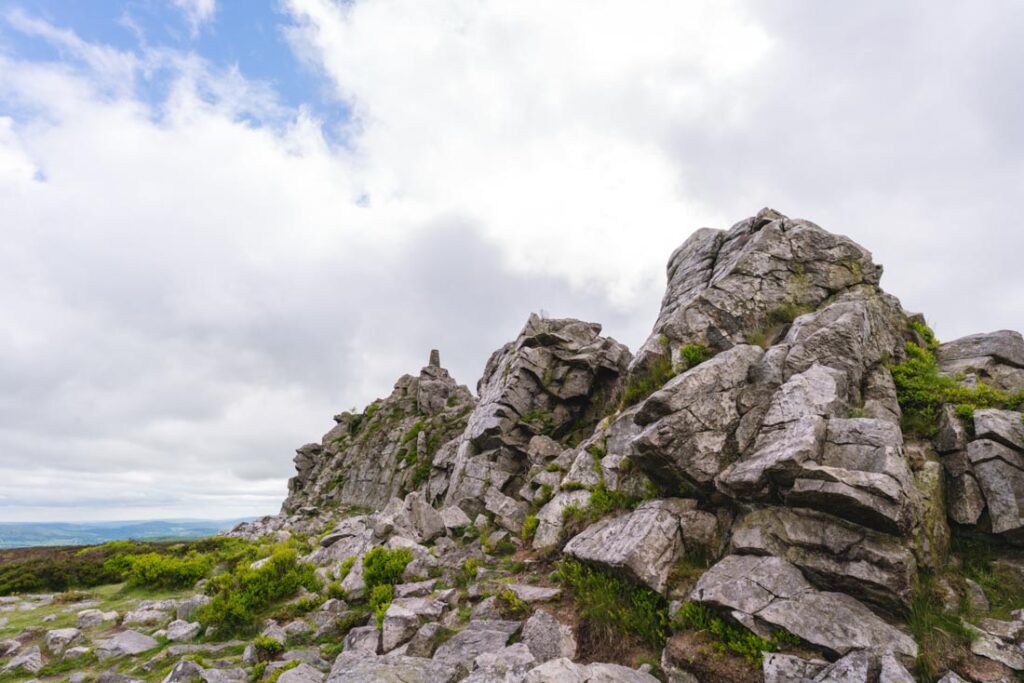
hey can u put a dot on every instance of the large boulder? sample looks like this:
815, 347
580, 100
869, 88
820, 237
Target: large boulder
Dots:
124, 643
547, 638
644, 544
690, 425
480, 636
995, 358
834, 554
768, 592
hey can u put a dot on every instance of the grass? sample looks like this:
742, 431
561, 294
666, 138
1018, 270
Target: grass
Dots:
942, 636
693, 355
641, 385
511, 606
616, 612
603, 502
728, 638
530, 525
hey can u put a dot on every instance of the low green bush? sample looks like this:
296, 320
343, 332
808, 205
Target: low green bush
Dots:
241, 596
266, 648
615, 610
922, 391
694, 354
529, 527
381, 596
153, 570
381, 566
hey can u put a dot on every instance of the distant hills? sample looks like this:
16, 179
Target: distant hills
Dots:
29, 534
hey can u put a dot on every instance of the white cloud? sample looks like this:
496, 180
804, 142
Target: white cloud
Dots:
191, 287
197, 12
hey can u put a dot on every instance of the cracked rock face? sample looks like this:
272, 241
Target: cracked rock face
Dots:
771, 591
725, 285
833, 553
558, 378
996, 358
644, 544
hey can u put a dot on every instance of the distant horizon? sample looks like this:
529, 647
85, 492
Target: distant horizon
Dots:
94, 522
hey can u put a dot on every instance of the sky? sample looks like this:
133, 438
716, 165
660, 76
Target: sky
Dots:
224, 221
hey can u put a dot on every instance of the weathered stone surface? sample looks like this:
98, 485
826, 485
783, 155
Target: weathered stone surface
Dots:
364, 640
773, 591
303, 673
367, 459
509, 512
1004, 426
59, 639
179, 630
188, 607
1005, 346
547, 638
549, 519
833, 553
29, 660
565, 671
1000, 473
531, 594
185, 671
725, 285
689, 425
480, 636
557, 377
359, 668
454, 518
507, 665
425, 519
780, 668
124, 643
400, 624
644, 543
425, 640
931, 534
964, 500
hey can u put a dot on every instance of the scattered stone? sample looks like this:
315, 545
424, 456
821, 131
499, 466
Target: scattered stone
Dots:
94, 617
363, 639
59, 639
180, 630
360, 667
124, 643
531, 594
29, 660
480, 636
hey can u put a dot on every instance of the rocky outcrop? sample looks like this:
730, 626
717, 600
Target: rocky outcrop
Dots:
726, 287
388, 449
556, 380
751, 458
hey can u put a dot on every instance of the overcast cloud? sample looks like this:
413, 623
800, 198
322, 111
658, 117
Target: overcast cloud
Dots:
196, 272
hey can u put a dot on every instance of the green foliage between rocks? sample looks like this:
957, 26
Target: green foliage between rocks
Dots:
694, 354
922, 391
266, 647
381, 566
380, 600
728, 638
942, 636
241, 596
615, 609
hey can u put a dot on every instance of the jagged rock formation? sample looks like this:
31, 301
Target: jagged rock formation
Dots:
750, 460
367, 459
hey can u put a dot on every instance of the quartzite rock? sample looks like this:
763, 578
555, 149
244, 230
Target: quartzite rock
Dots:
644, 544
772, 591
